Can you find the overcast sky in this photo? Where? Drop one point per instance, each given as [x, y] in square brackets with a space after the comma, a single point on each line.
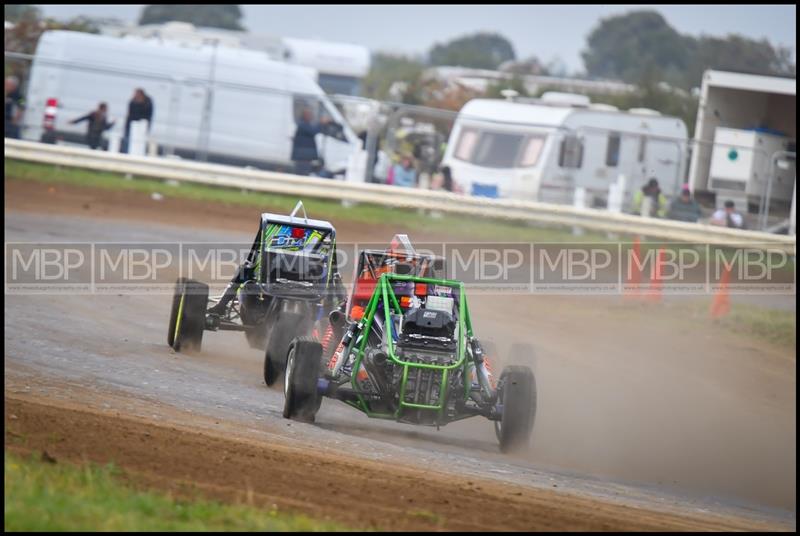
[545, 31]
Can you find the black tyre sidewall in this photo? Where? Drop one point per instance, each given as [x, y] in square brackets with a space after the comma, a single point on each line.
[519, 408]
[180, 285]
[190, 335]
[302, 400]
[271, 373]
[287, 328]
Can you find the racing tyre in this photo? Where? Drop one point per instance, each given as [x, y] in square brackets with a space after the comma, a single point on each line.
[188, 315]
[301, 399]
[517, 394]
[285, 329]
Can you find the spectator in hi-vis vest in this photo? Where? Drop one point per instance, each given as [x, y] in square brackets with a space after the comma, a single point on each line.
[649, 201]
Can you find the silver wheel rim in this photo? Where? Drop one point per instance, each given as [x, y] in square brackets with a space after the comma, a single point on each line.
[289, 367]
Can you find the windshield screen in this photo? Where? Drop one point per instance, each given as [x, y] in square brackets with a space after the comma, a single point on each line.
[292, 238]
[498, 149]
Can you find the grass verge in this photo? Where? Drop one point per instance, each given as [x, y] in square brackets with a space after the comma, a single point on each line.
[778, 327]
[41, 496]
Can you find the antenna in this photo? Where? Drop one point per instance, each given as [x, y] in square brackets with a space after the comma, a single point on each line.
[299, 205]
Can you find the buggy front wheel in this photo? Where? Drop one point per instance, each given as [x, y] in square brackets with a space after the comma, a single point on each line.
[517, 395]
[301, 399]
[188, 315]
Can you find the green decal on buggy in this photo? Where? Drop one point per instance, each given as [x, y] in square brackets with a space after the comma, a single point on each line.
[180, 316]
[266, 234]
[330, 261]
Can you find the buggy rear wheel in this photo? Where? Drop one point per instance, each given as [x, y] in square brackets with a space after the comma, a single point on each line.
[517, 394]
[188, 315]
[301, 399]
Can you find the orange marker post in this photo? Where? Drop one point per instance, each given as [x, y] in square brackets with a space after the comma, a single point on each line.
[721, 305]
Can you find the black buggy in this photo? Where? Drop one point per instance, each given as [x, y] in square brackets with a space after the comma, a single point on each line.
[288, 284]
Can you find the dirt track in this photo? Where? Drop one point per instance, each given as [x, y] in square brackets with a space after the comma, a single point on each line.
[359, 494]
[709, 414]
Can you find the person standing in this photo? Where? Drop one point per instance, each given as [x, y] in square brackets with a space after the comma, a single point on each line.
[15, 106]
[97, 124]
[304, 143]
[684, 208]
[140, 107]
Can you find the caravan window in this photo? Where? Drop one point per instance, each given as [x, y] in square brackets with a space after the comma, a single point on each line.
[533, 148]
[466, 143]
[498, 149]
[612, 150]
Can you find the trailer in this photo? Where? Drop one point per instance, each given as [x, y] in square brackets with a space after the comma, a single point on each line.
[544, 149]
[745, 139]
[214, 103]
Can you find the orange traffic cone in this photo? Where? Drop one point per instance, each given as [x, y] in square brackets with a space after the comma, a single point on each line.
[634, 278]
[721, 305]
[654, 294]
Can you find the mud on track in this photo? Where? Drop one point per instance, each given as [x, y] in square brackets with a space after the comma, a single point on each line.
[359, 494]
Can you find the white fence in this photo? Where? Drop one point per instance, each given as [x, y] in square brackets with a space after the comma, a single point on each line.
[391, 196]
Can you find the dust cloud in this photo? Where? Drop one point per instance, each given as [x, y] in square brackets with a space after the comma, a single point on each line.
[629, 393]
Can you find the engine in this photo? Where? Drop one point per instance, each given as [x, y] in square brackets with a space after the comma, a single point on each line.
[425, 334]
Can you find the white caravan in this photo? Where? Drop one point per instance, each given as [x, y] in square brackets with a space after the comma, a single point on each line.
[226, 105]
[544, 150]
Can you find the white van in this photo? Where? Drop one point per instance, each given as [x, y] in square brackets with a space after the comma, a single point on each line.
[228, 105]
[543, 150]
